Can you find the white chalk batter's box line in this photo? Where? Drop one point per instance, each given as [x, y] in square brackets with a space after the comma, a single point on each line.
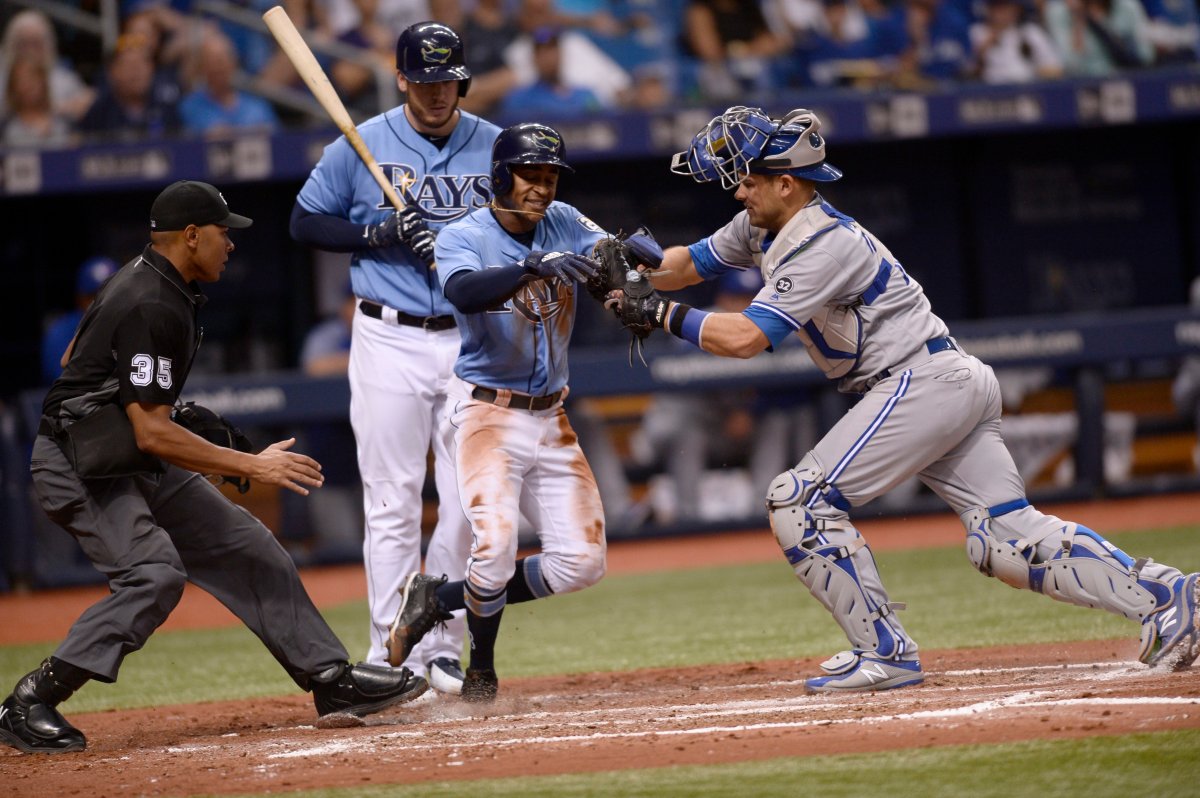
[606, 722]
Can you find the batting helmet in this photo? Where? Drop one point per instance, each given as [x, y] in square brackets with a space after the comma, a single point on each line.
[526, 143]
[430, 52]
[796, 148]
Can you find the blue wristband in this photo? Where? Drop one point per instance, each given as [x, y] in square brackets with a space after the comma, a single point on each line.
[685, 322]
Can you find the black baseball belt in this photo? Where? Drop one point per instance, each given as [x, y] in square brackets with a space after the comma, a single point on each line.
[433, 323]
[519, 401]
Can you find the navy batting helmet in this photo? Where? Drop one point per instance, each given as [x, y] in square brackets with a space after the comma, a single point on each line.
[430, 52]
[526, 143]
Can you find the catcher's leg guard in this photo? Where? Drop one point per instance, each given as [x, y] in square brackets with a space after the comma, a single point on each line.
[834, 562]
[1063, 560]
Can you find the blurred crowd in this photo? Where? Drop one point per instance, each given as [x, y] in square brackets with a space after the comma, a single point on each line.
[187, 67]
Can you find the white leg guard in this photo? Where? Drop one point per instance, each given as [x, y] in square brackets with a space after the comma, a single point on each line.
[831, 558]
[1065, 561]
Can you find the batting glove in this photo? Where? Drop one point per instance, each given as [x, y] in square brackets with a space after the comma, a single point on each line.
[563, 265]
[386, 233]
[422, 245]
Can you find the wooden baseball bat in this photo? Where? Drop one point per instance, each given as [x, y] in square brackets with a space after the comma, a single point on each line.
[297, 51]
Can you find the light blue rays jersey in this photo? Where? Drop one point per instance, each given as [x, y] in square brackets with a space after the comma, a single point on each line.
[522, 345]
[446, 184]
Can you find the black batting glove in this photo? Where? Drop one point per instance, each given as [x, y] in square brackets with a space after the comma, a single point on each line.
[563, 265]
[386, 233]
[422, 245]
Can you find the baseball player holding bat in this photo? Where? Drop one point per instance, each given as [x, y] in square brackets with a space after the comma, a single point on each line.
[927, 409]
[404, 338]
[512, 274]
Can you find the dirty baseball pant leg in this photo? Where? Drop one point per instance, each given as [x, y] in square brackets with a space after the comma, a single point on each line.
[230, 554]
[112, 522]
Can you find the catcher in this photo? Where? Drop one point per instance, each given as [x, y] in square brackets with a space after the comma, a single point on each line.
[512, 273]
[927, 409]
[111, 468]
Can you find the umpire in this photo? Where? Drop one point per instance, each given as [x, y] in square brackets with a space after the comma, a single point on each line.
[112, 468]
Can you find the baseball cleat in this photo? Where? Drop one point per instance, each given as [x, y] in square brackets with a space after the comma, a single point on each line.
[419, 612]
[480, 686]
[34, 727]
[446, 675]
[1171, 636]
[854, 671]
[354, 691]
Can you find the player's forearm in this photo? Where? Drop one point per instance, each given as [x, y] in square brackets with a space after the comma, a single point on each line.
[723, 334]
[330, 233]
[477, 291]
[677, 270]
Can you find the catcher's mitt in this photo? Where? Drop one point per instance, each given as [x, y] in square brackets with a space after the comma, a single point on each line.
[215, 429]
[618, 256]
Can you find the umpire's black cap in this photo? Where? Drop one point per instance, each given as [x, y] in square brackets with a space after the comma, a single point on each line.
[192, 202]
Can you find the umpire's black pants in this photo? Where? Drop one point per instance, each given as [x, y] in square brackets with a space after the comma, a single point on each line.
[148, 534]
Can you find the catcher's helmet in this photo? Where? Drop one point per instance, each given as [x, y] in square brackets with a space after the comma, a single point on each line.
[796, 148]
[430, 52]
[526, 143]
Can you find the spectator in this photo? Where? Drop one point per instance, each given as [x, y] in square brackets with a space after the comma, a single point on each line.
[29, 34]
[126, 108]
[216, 107]
[31, 121]
[1098, 37]
[857, 44]
[734, 45]
[584, 64]
[172, 39]
[1173, 28]
[355, 81]
[1009, 47]
[548, 95]
[939, 44]
[91, 275]
[312, 20]
[487, 32]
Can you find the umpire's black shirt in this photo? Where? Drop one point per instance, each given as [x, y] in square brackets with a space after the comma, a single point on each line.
[134, 344]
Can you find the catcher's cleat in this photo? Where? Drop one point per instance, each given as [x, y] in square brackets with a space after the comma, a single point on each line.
[854, 671]
[32, 726]
[446, 675]
[480, 686]
[419, 612]
[345, 693]
[1171, 635]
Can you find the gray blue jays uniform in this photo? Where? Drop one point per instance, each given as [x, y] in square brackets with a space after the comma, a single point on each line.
[402, 353]
[927, 409]
[517, 452]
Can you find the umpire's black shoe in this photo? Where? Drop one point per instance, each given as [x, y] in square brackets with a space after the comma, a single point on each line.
[419, 612]
[480, 686]
[344, 694]
[32, 726]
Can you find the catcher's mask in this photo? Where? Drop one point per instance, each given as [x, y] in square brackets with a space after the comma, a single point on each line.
[430, 52]
[526, 143]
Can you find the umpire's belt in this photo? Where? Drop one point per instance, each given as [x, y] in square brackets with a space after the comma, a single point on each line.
[434, 323]
[932, 346]
[519, 401]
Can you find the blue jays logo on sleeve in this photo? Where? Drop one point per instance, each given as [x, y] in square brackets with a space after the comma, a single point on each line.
[443, 198]
[541, 300]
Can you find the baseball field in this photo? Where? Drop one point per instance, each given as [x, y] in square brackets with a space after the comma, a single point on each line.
[680, 674]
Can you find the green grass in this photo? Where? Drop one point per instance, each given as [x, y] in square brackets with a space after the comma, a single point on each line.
[710, 615]
[1162, 765]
